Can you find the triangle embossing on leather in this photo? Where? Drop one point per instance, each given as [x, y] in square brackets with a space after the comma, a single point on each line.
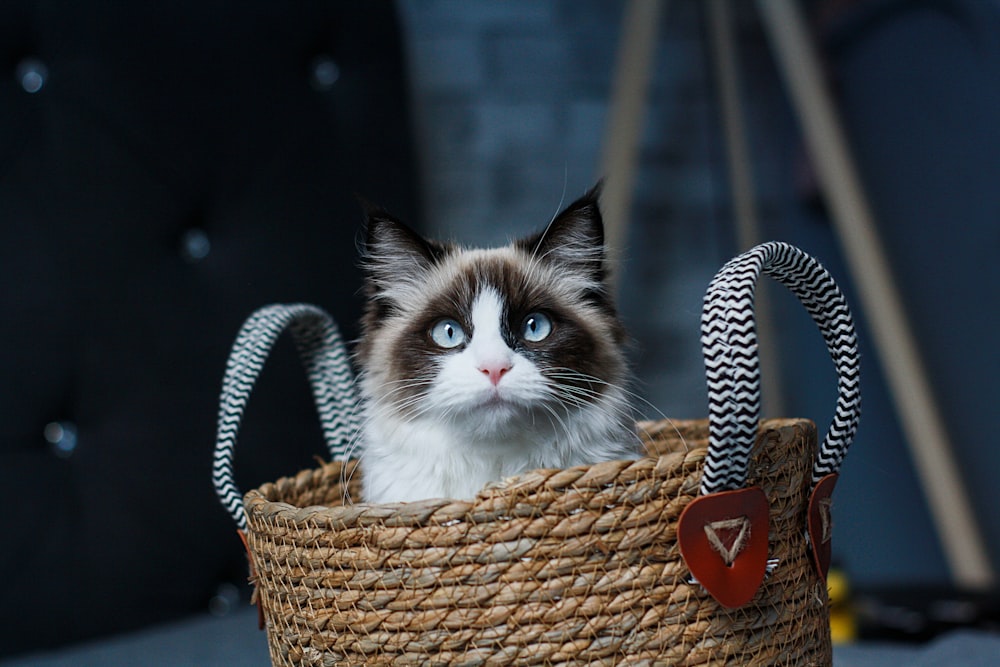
[728, 537]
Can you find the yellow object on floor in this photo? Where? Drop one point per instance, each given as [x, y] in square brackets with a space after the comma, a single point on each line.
[843, 623]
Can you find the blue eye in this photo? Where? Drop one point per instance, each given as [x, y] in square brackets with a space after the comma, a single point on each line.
[536, 327]
[448, 333]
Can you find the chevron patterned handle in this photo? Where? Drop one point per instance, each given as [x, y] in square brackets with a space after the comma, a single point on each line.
[327, 365]
[729, 344]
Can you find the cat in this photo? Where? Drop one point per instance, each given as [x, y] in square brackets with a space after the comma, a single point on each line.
[478, 364]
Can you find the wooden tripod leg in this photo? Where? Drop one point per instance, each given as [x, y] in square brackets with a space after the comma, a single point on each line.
[897, 350]
[626, 114]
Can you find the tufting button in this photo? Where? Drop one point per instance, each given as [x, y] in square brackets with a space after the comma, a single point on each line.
[32, 74]
[324, 72]
[195, 245]
[225, 600]
[61, 436]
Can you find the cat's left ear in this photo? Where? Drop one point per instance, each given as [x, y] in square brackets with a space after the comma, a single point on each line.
[575, 238]
[394, 253]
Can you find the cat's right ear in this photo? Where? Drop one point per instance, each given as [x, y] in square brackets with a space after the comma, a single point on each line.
[394, 254]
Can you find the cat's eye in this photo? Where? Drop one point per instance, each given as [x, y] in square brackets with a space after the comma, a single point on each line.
[536, 327]
[448, 333]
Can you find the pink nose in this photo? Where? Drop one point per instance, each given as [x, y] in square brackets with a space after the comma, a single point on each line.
[495, 371]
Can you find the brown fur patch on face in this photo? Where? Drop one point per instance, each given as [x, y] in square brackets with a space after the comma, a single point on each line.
[583, 350]
[413, 283]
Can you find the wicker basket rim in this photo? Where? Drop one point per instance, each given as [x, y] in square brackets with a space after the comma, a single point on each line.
[490, 503]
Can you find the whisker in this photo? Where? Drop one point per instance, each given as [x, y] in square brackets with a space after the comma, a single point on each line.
[577, 393]
[570, 374]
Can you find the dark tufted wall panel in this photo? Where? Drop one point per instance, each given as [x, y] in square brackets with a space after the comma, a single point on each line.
[165, 168]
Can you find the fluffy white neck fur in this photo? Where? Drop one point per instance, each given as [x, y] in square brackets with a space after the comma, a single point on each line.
[412, 460]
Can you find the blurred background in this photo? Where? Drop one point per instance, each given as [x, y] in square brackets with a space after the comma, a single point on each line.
[168, 169]
[512, 109]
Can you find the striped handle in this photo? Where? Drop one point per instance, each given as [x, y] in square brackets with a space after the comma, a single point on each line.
[729, 343]
[326, 363]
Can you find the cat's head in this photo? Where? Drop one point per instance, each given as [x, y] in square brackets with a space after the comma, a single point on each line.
[490, 338]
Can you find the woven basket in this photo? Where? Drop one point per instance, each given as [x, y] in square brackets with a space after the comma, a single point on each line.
[588, 565]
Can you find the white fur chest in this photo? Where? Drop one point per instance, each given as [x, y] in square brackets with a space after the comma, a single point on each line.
[406, 461]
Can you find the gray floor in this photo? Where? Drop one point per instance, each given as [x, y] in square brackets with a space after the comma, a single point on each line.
[234, 640]
[204, 641]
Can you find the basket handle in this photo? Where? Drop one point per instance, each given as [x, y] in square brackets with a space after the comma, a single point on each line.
[327, 365]
[729, 344]
[723, 533]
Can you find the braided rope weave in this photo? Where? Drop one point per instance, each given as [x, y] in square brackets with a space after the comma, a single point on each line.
[579, 566]
[327, 366]
[729, 343]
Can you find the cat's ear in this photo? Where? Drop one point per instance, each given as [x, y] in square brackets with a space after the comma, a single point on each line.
[575, 238]
[393, 253]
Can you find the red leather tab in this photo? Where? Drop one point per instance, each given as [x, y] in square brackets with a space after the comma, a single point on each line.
[723, 539]
[821, 523]
[255, 599]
